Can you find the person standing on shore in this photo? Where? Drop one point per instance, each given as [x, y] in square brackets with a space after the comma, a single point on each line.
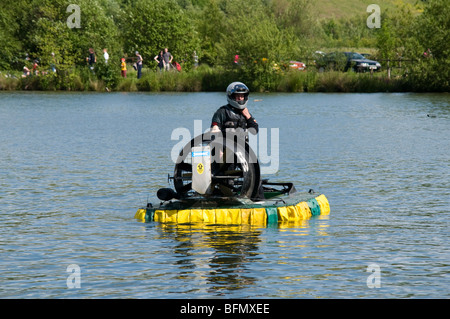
[160, 59]
[236, 59]
[123, 68]
[139, 65]
[106, 55]
[167, 59]
[195, 56]
[91, 59]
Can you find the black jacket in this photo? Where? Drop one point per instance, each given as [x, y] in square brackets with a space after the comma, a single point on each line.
[229, 117]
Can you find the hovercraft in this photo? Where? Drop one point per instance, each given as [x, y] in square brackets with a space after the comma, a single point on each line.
[217, 180]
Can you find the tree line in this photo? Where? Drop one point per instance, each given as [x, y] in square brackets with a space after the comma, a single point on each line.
[261, 32]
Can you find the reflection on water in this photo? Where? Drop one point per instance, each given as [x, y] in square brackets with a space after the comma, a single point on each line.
[223, 257]
[217, 254]
[303, 226]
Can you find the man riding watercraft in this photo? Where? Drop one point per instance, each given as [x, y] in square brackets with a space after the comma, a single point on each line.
[235, 118]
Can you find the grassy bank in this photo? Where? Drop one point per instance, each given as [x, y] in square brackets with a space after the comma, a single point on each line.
[206, 79]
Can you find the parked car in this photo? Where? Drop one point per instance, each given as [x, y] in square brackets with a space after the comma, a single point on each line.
[367, 55]
[296, 65]
[359, 63]
[344, 61]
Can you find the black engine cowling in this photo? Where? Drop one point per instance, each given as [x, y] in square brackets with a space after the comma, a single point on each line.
[235, 170]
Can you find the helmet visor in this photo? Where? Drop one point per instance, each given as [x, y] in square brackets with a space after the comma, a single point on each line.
[239, 89]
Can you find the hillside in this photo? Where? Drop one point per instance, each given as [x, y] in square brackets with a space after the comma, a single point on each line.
[349, 8]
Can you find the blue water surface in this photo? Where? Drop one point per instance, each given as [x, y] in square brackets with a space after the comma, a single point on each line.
[75, 167]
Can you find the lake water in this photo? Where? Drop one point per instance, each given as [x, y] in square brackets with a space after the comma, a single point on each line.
[75, 167]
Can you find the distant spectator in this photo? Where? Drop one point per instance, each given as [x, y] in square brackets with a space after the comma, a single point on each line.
[195, 56]
[53, 63]
[167, 59]
[106, 55]
[176, 66]
[26, 72]
[123, 68]
[427, 54]
[36, 67]
[236, 59]
[91, 59]
[160, 59]
[139, 65]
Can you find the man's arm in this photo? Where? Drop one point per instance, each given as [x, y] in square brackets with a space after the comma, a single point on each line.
[251, 122]
[217, 120]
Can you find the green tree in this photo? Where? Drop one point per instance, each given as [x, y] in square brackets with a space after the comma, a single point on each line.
[253, 34]
[10, 44]
[298, 23]
[210, 25]
[432, 28]
[387, 41]
[48, 37]
[431, 34]
[154, 25]
[296, 16]
[331, 29]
